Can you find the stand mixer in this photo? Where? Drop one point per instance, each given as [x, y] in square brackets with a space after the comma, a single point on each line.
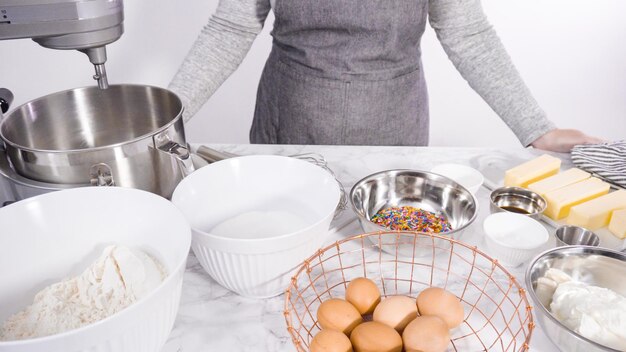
[84, 25]
[125, 135]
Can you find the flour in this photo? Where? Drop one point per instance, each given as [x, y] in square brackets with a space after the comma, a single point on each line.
[118, 278]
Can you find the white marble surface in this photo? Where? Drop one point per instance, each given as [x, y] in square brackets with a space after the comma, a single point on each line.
[212, 318]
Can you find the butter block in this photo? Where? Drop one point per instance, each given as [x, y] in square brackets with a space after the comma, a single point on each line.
[617, 225]
[532, 171]
[560, 201]
[557, 181]
[596, 213]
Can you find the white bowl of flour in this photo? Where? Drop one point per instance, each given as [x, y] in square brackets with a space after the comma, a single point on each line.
[107, 263]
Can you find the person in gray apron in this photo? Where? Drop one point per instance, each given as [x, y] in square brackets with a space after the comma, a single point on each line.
[350, 71]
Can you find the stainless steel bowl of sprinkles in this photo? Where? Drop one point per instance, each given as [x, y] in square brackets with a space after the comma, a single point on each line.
[416, 201]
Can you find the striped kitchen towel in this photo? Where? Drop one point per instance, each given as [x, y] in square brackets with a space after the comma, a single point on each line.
[606, 160]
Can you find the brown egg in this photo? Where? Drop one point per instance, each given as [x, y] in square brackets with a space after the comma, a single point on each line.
[439, 302]
[375, 337]
[396, 311]
[330, 341]
[426, 334]
[363, 294]
[337, 314]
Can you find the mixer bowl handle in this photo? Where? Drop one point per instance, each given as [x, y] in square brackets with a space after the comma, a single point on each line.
[182, 156]
[175, 150]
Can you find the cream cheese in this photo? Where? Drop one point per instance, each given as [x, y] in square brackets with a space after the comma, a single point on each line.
[596, 313]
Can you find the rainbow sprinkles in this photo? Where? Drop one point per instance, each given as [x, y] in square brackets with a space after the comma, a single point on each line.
[408, 218]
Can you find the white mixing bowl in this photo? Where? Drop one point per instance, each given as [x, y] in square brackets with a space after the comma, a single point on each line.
[51, 237]
[252, 264]
[513, 238]
[466, 176]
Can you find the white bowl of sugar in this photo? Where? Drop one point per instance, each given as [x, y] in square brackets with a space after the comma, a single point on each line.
[255, 218]
[514, 239]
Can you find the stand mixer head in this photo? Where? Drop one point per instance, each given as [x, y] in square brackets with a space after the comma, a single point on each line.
[84, 25]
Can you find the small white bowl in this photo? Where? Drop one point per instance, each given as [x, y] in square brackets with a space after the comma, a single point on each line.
[252, 264]
[466, 176]
[51, 237]
[514, 238]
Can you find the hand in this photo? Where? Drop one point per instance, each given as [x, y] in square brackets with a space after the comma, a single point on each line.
[563, 141]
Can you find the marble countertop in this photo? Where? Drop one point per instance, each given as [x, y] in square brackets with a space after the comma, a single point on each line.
[211, 318]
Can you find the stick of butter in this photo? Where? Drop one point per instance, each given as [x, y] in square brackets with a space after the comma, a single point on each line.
[617, 226]
[557, 181]
[532, 171]
[596, 213]
[560, 201]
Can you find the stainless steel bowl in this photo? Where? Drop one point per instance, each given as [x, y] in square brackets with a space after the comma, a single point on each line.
[575, 236]
[125, 135]
[518, 200]
[595, 266]
[425, 190]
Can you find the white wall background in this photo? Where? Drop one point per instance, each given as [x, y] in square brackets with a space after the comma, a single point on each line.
[572, 54]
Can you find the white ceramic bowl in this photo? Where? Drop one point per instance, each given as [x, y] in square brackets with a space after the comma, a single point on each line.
[466, 176]
[58, 235]
[514, 238]
[248, 263]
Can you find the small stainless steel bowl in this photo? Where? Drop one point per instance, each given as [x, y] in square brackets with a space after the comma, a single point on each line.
[420, 189]
[575, 236]
[518, 200]
[595, 266]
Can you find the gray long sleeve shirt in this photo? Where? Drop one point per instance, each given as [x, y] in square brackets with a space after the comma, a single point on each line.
[461, 26]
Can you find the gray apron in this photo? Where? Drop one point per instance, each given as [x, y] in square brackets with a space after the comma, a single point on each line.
[344, 72]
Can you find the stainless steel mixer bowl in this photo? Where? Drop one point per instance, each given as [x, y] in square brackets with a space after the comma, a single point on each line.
[126, 135]
[425, 190]
[592, 265]
[14, 187]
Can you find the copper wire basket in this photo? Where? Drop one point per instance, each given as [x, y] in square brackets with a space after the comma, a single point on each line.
[498, 315]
